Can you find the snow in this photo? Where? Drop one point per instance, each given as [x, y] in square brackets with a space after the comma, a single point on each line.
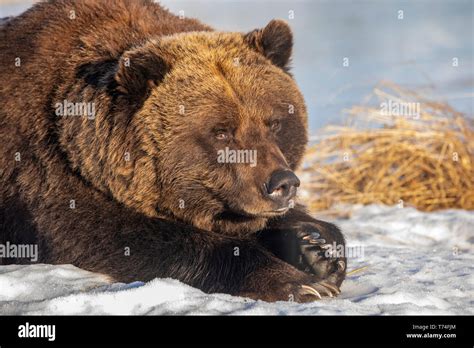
[415, 263]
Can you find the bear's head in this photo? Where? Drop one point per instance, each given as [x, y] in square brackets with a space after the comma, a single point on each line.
[222, 126]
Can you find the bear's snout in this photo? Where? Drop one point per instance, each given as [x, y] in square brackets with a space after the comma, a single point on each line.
[282, 187]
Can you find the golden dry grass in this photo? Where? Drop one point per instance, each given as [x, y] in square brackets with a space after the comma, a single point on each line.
[425, 161]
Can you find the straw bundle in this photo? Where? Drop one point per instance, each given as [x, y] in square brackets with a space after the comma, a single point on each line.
[424, 159]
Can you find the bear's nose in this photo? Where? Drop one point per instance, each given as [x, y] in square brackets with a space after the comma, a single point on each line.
[282, 186]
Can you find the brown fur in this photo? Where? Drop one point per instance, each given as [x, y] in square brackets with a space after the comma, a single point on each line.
[130, 169]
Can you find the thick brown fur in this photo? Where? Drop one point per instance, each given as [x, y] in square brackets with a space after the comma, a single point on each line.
[142, 175]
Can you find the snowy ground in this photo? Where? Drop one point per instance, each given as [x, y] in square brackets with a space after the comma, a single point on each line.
[417, 263]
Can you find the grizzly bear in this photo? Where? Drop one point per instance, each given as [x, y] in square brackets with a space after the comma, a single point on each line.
[139, 144]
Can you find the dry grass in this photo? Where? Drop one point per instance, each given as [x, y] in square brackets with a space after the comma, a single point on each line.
[425, 161]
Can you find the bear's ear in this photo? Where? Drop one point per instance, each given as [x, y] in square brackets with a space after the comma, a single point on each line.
[275, 42]
[139, 70]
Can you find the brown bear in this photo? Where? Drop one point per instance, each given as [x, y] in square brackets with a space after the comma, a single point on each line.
[139, 144]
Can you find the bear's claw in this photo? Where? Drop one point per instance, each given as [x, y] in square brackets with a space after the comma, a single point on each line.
[318, 255]
[319, 290]
[308, 290]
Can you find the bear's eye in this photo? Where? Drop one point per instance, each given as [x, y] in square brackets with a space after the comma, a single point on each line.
[222, 134]
[275, 126]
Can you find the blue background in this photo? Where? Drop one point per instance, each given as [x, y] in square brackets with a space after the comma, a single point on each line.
[416, 51]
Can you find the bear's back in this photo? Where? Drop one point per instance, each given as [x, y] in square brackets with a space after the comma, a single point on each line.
[44, 50]
[113, 24]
